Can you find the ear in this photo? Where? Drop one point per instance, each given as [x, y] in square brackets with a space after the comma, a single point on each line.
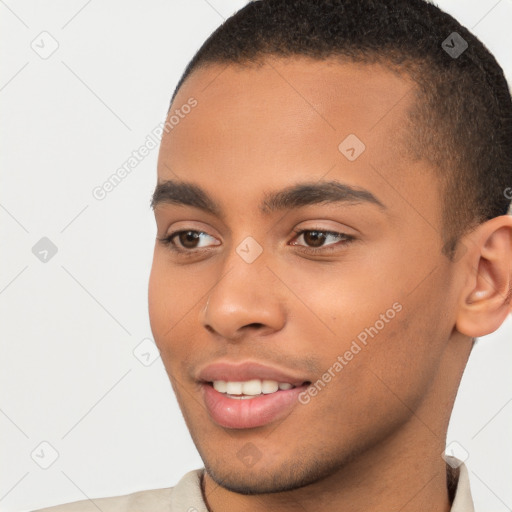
[485, 300]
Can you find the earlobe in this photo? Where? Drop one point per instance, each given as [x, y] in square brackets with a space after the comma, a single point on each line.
[485, 300]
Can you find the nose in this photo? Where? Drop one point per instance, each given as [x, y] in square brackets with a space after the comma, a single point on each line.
[246, 299]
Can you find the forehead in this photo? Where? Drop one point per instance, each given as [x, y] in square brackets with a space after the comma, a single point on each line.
[286, 120]
[292, 101]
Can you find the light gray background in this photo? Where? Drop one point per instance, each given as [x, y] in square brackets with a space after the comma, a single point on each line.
[69, 326]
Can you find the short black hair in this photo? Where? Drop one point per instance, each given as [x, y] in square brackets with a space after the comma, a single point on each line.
[462, 117]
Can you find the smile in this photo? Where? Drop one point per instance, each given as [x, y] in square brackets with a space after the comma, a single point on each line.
[250, 388]
[234, 408]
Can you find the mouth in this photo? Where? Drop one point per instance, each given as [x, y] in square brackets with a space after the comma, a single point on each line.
[253, 388]
[250, 404]
[249, 393]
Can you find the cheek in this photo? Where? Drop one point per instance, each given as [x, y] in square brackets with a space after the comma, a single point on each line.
[402, 359]
[341, 298]
[157, 298]
[163, 304]
[174, 304]
[172, 293]
[370, 388]
[385, 337]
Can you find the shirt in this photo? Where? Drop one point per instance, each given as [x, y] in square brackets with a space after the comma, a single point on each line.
[186, 496]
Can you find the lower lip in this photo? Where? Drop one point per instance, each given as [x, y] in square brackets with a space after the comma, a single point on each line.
[249, 412]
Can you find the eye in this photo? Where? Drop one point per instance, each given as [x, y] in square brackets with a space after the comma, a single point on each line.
[315, 239]
[190, 241]
[187, 240]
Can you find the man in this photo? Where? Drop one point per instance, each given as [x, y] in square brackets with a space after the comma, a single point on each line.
[333, 235]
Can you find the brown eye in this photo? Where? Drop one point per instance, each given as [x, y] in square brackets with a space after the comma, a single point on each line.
[188, 239]
[314, 238]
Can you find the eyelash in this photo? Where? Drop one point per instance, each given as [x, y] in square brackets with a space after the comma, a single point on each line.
[346, 239]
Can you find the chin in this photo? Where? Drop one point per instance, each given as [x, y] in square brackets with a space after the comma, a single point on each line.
[282, 477]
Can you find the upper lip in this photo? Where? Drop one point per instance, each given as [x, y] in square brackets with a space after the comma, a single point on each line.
[247, 370]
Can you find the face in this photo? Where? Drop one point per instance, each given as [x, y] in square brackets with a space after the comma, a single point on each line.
[315, 245]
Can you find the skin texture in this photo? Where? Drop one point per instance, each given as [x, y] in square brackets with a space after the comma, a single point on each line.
[372, 439]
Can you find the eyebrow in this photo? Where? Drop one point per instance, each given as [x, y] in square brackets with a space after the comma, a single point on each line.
[296, 196]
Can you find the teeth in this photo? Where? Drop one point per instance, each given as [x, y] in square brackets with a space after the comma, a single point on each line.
[250, 387]
[220, 386]
[234, 388]
[269, 386]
